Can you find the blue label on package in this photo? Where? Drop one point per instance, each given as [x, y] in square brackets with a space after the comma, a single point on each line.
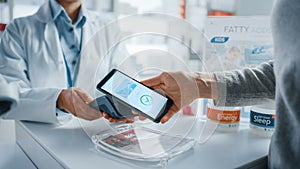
[219, 39]
[258, 54]
[262, 120]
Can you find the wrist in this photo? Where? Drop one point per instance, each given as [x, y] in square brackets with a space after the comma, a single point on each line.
[62, 100]
[207, 85]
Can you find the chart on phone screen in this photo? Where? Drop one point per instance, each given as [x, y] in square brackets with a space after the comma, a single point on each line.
[134, 93]
[125, 88]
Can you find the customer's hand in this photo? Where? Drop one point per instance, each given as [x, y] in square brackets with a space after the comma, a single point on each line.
[182, 88]
[75, 101]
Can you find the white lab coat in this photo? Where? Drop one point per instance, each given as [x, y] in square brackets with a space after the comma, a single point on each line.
[8, 93]
[31, 57]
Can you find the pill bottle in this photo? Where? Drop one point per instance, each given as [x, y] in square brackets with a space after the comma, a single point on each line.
[228, 118]
[262, 119]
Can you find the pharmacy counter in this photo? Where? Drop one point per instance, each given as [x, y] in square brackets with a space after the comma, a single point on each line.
[11, 155]
[68, 146]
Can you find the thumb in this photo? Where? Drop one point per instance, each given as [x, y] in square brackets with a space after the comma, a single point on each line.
[152, 81]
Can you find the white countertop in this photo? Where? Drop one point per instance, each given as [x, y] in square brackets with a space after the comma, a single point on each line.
[69, 147]
[11, 155]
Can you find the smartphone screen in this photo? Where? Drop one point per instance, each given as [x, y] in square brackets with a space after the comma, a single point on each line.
[130, 91]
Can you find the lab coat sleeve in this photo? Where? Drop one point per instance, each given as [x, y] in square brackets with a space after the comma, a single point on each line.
[36, 104]
[9, 96]
[249, 86]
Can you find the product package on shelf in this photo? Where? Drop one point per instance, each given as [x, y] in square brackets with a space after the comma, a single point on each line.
[237, 42]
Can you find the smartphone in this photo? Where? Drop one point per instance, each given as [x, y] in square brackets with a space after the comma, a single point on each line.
[127, 92]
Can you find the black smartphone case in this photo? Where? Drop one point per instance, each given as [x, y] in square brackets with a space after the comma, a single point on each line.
[113, 108]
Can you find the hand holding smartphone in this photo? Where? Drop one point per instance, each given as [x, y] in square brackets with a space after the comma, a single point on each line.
[126, 94]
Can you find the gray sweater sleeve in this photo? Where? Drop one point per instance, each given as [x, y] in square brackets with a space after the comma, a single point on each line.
[246, 87]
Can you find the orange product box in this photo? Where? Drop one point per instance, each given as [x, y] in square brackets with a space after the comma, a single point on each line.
[223, 116]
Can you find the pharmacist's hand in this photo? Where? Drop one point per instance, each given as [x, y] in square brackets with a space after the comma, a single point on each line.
[75, 101]
[182, 88]
[112, 120]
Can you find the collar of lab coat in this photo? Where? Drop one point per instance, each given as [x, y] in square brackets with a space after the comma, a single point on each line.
[44, 15]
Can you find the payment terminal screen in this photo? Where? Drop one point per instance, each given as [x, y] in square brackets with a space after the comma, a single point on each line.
[135, 94]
